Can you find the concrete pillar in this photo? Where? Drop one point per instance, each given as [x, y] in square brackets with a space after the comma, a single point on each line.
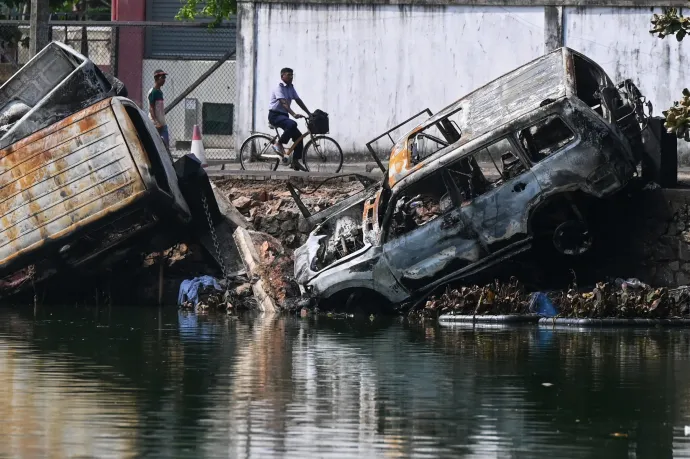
[130, 58]
[553, 28]
[39, 32]
[246, 71]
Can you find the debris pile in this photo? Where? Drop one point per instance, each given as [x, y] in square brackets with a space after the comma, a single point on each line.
[617, 299]
[277, 266]
[270, 208]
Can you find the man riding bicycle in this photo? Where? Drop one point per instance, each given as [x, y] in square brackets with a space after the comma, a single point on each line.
[278, 115]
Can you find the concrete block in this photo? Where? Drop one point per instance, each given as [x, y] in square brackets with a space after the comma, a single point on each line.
[665, 277]
[252, 263]
[683, 250]
[682, 279]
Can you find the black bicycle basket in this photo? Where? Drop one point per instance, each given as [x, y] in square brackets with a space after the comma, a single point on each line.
[318, 122]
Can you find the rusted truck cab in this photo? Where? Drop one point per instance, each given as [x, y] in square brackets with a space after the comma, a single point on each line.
[89, 188]
[512, 165]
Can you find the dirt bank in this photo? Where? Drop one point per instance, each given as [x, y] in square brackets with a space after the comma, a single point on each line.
[269, 207]
[280, 227]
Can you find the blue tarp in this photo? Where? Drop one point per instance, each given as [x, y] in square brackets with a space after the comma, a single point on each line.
[189, 289]
[542, 305]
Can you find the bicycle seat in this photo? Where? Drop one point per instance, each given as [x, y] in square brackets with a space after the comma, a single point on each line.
[270, 126]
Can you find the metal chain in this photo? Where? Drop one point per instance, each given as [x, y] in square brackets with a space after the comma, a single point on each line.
[32, 277]
[212, 229]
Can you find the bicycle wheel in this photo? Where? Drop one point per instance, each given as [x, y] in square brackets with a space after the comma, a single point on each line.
[252, 151]
[323, 154]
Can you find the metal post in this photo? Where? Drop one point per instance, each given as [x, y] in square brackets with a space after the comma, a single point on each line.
[114, 49]
[198, 81]
[39, 34]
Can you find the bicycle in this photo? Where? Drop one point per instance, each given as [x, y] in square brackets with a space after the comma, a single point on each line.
[257, 151]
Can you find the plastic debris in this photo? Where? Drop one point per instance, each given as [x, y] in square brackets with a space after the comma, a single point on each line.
[189, 289]
[542, 305]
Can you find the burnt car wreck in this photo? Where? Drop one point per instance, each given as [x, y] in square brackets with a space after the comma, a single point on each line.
[85, 179]
[512, 166]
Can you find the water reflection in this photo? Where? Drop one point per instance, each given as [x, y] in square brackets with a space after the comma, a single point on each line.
[158, 382]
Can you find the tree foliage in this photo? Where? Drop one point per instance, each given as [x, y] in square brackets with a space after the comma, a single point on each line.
[672, 22]
[214, 9]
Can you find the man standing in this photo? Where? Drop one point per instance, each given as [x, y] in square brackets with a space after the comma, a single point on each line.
[157, 107]
[278, 111]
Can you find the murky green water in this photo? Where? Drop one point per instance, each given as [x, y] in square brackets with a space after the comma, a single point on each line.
[78, 382]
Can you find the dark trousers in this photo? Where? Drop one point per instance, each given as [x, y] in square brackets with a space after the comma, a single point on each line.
[289, 128]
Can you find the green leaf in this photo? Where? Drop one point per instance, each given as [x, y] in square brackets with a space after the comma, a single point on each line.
[681, 34]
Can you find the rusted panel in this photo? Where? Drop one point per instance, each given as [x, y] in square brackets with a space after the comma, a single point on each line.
[54, 84]
[62, 178]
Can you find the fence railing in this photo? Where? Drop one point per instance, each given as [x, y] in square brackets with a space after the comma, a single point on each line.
[132, 51]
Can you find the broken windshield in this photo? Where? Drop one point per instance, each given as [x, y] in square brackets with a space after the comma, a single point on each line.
[435, 137]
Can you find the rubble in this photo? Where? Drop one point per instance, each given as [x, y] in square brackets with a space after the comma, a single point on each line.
[269, 208]
[278, 228]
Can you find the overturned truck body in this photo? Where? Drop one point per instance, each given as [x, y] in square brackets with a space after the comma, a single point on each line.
[511, 166]
[84, 176]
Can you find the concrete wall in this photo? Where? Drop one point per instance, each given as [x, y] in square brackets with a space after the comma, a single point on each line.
[371, 66]
[219, 87]
[619, 40]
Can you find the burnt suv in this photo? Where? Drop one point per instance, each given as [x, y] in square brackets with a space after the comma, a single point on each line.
[510, 165]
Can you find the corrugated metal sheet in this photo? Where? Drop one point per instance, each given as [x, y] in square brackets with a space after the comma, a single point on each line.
[184, 42]
[62, 178]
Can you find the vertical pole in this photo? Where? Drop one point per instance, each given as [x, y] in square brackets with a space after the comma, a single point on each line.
[161, 267]
[245, 65]
[38, 29]
[114, 49]
[553, 28]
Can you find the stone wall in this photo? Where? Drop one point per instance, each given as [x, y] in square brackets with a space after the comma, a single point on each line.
[647, 236]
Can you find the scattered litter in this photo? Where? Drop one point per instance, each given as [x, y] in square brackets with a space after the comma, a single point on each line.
[651, 186]
[189, 289]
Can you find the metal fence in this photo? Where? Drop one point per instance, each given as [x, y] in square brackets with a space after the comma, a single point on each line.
[201, 86]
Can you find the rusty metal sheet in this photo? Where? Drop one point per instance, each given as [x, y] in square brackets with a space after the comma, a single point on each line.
[54, 84]
[506, 98]
[62, 178]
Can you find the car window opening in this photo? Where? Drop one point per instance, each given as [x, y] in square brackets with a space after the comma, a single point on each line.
[420, 204]
[545, 138]
[588, 82]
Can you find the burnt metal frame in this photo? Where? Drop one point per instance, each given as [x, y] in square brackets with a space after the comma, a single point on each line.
[388, 133]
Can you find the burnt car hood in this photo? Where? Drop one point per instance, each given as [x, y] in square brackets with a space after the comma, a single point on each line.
[305, 255]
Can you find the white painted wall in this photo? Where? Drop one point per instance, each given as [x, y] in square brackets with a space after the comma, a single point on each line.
[370, 67]
[618, 39]
[219, 87]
